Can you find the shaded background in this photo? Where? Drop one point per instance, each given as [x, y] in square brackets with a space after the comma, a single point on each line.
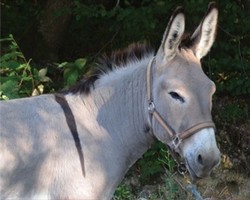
[57, 30]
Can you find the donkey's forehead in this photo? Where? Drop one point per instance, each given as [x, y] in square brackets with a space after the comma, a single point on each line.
[186, 63]
[187, 55]
[186, 68]
[183, 58]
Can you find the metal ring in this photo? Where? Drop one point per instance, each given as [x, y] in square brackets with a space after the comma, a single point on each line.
[182, 168]
[151, 107]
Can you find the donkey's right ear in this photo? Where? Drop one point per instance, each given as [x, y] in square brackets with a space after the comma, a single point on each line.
[172, 36]
[204, 36]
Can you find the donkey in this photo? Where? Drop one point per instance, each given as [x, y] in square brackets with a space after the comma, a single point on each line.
[80, 143]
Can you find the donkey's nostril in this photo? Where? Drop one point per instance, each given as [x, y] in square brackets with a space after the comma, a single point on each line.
[200, 160]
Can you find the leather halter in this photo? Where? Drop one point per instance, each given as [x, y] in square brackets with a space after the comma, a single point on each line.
[176, 138]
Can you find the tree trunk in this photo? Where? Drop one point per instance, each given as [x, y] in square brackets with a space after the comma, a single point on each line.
[54, 21]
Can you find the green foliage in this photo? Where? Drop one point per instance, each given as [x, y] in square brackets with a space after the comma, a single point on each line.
[21, 79]
[122, 193]
[158, 161]
[155, 161]
[18, 77]
[172, 189]
[99, 26]
[233, 113]
[156, 164]
[230, 62]
[73, 70]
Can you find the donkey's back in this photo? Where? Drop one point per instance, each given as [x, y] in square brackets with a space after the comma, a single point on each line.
[35, 150]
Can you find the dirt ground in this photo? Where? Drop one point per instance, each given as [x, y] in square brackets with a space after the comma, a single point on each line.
[232, 178]
[225, 184]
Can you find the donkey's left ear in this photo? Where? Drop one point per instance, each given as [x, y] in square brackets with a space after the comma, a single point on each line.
[204, 36]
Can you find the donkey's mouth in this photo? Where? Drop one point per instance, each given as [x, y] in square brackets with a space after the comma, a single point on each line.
[192, 173]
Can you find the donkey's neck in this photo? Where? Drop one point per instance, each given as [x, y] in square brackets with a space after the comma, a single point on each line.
[122, 108]
[118, 105]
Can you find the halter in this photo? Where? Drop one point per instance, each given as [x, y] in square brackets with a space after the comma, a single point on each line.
[176, 138]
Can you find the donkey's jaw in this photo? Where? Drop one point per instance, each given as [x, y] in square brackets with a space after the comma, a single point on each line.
[201, 153]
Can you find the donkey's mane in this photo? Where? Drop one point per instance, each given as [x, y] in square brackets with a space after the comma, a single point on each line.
[106, 63]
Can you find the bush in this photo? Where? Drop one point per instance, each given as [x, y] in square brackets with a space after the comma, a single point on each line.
[18, 77]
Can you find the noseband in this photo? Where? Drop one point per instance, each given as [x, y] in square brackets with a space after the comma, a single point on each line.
[176, 138]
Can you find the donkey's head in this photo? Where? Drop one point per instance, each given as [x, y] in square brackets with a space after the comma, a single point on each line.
[182, 94]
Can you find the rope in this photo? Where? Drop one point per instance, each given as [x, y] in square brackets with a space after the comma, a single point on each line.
[193, 190]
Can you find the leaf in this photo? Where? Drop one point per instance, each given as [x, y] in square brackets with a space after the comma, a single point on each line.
[22, 66]
[70, 76]
[226, 162]
[42, 75]
[5, 39]
[63, 64]
[42, 72]
[10, 88]
[9, 56]
[10, 64]
[3, 96]
[26, 78]
[37, 91]
[80, 63]
[45, 79]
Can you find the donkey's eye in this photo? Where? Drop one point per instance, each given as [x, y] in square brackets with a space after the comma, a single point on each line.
[176, 96]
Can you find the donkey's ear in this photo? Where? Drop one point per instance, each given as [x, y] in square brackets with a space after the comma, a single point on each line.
[172, 36]
[204, 36]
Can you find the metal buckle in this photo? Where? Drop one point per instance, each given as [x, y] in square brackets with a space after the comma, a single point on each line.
[182, 168]
[176, 141]
[151, 107]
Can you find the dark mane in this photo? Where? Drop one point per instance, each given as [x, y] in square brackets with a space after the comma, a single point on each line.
[107, 63]
[186, 41]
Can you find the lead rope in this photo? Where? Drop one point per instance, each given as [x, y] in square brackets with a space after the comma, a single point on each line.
[189, 187]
